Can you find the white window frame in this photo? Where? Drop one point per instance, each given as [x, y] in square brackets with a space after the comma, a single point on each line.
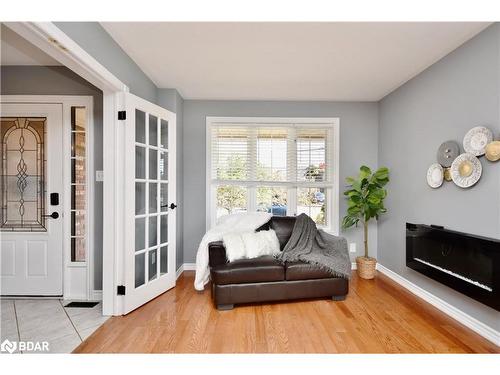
[332, 201]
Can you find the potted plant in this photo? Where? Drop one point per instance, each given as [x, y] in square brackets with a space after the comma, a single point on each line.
[365, 201]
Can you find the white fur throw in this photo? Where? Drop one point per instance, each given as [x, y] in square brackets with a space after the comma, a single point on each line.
[230, 223]
[248, 245]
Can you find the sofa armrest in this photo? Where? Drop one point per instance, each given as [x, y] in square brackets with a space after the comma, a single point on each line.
[216, 254]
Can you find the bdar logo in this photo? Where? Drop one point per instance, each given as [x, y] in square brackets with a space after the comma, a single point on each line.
[8, 346]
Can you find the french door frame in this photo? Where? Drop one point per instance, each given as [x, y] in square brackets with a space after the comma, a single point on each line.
[50, 39]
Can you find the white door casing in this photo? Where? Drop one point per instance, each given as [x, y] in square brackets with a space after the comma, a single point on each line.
[32, 260]
[150, 218]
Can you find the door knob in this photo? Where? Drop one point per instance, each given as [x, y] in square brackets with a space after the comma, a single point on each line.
[172, 206]
[53, 215]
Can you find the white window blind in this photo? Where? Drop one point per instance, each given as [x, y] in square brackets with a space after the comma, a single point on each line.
[285, 168]
[256, 153]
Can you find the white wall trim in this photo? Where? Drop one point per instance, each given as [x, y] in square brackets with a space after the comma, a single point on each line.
[96, 295]
[480, 328]
[185, 267]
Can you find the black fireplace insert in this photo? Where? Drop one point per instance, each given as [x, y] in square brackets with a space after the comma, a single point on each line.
[467, 263]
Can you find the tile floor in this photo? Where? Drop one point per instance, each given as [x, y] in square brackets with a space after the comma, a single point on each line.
[64, 328]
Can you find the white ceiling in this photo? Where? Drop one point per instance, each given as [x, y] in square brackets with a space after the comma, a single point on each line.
[287, 61]
[15, 50]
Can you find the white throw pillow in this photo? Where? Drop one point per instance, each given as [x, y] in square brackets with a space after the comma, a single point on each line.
[235, 248]
[251, 244]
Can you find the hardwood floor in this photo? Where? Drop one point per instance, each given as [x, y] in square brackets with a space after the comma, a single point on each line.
[378, 316]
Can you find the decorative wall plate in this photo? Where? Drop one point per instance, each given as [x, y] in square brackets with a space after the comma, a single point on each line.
[493, 151]
[476, 139]
[435, 175]
[466, 170]
[447, 152]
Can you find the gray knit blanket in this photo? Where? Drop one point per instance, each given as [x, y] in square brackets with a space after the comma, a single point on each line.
[310, 245]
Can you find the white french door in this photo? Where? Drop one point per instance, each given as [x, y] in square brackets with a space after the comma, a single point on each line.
[31, 226]
[150, 215]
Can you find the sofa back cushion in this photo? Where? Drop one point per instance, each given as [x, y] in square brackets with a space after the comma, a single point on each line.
[283, 226]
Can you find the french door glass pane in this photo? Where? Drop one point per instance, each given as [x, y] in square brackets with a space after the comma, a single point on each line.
[163, 133]
[140, 126]
[140, 198]
[163, 260]
[153, 197]
[152, 265]
[153, 231]
[140, 233]
[164, 197]
[140, 269]
[312, 202]
[163, 165]
[140, 162]
[153, 130]
[164, 228]
[153, 164]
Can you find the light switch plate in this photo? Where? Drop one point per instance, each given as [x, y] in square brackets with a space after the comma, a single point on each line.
[99, 175]
[352, 247]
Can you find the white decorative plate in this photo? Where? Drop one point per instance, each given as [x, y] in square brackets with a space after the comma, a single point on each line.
[435, 175]
[476, 139]
[466, 170]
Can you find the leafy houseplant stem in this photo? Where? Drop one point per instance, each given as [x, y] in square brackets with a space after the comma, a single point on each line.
[365, 227]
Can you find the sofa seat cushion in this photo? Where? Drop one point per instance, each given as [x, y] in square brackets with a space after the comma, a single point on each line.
[256, 270]
[304, 271]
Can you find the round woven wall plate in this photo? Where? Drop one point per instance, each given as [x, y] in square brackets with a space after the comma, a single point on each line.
[476, 139]
[435, 175]
[466, 170]
[447, 152]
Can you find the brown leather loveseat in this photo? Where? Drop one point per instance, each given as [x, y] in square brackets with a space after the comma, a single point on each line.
[265, 279]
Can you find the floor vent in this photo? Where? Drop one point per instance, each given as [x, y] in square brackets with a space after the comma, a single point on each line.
[82, 304]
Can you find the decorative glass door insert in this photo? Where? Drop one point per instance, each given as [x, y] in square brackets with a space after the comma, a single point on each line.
[23, 174]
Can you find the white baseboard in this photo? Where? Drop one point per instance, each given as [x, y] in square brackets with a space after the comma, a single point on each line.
[480, 328]
[96, 295]
[185, 267]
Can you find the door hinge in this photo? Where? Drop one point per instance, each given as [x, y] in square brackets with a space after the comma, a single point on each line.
[122, 115]
[120, 290]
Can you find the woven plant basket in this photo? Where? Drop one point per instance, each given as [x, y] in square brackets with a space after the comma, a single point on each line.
[366, 267]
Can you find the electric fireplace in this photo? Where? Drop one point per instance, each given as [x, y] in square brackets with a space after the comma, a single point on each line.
[467, 263]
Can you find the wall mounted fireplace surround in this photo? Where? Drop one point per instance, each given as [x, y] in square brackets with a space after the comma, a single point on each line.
[467, 263]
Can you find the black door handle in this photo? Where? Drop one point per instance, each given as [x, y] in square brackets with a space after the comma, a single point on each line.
[53, 215]
[172, 206]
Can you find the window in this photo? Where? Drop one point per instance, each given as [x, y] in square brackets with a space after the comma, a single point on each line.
[276, 165]
[78, 183]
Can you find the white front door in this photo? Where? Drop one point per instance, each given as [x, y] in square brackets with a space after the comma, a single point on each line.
[150, 215]
[31, 147]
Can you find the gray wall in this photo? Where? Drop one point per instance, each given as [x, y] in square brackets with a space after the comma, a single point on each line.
[92, 37]
[171, 100]
[59, 80]
[358, 145]
[453, 95]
